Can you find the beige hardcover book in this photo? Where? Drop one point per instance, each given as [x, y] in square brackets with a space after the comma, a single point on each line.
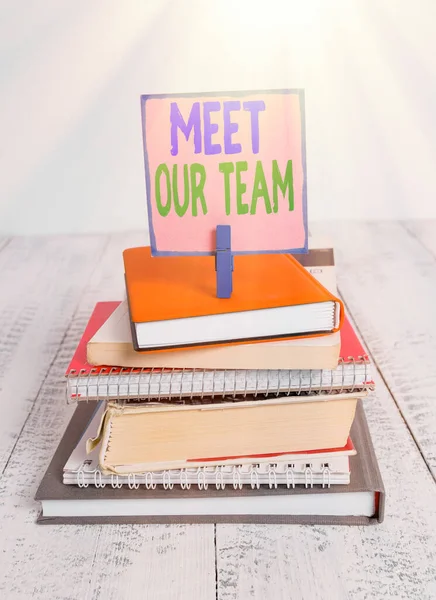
[327, 467]
[112, 345]
[146, 437]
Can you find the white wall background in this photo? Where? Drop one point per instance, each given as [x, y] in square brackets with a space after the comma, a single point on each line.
[71, 74]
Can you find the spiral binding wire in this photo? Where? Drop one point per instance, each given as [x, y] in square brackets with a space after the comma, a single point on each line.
[205, 476]
[133, 384]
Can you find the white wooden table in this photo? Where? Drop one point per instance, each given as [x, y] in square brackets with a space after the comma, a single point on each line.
[48, 287]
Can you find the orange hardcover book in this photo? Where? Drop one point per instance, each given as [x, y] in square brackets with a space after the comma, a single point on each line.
[173, 302]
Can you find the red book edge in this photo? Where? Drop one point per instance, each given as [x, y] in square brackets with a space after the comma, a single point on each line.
[351, 348]
[347, 449]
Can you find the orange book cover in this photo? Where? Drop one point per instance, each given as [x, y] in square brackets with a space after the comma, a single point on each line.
[177, 287]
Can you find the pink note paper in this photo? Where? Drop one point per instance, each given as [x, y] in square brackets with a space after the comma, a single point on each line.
[235, 158]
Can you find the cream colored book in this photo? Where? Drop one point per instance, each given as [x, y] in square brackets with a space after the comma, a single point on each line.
[326, 468]
[147, 437]
[86, 382]
[112, 345]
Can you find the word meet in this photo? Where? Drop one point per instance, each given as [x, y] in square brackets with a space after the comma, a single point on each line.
[179, 187]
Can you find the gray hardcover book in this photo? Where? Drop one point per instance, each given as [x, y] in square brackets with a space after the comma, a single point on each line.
[359, 503]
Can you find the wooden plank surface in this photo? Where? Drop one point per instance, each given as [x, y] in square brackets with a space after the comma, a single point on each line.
[387, 277]
[42, 280]
[424, 232]
[393, 560]
[47, 303]
[397, 558]
[4, 241]
[116, 562]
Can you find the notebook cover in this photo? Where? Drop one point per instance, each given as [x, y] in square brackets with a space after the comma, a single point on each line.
[351, 348]
[365, 476]
[261, 281]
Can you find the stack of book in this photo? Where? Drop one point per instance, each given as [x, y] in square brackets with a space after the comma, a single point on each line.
[198, 409]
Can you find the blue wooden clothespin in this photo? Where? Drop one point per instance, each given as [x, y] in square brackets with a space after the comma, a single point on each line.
[223, 262]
